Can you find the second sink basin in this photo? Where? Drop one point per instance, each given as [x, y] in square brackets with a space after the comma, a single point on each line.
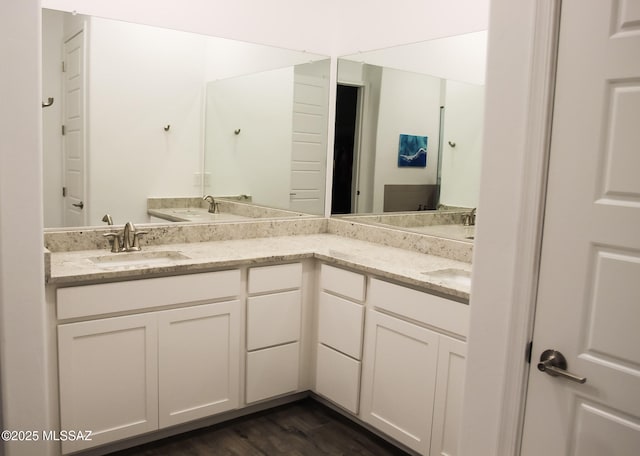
[138, 259]
[453, 277]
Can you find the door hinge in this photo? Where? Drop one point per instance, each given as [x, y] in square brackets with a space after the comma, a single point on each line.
[64, 68]
[64, 191]
[528, 351]
[63, 130]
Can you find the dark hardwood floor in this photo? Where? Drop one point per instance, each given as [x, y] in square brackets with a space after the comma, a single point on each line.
[304, 428]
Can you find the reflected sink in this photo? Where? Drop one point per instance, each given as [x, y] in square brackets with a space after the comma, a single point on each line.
[138, 259]
[193, 214]
[189, 211]
[458, 278]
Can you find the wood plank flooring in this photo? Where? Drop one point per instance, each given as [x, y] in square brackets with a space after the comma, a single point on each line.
[304, 428]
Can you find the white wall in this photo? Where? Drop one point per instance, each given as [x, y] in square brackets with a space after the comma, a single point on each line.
[460, 58]
[53, 26]
[331, 27]
[257, 161]
[409, 104]
[463, 122]
[141, 79]
[23, 332]
[502, 231]
[228, 58]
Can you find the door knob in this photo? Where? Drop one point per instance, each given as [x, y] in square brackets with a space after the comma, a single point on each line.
[554, 363]
[80, 204]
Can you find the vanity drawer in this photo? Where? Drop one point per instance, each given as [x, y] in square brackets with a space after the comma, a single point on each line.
[338, 378]
[105, 298]
[273, 319]
[272, 372]
[340, 324]
[342, 282]
[275, 278]
[445, 314]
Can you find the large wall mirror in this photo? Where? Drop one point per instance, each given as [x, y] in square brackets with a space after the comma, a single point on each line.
[143, 112]
[409, 125]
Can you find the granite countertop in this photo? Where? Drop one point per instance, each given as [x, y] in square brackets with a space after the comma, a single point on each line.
[399, 265]
[193, 214]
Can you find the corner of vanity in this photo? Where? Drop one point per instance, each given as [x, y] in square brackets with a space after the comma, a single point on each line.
[252, 316]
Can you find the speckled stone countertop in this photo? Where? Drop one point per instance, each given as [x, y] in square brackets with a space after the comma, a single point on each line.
[399, 265]
[192, 214]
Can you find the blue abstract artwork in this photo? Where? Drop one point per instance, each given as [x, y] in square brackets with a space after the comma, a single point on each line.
[412, 151]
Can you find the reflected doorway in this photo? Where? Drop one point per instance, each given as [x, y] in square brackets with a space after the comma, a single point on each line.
[345, 153]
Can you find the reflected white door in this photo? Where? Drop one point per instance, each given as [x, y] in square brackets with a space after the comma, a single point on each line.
[589, 291]
[309, 146]
[73, 133]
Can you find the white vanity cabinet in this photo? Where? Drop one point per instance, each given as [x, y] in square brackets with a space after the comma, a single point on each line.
[108, 373]
[141, 355]
[126, 375]
[274, 307]
[340, 332]
[413, 369]
[198, 361]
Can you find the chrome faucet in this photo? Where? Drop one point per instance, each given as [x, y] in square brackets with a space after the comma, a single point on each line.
[470, 218]
[127, 241]
[213, 206]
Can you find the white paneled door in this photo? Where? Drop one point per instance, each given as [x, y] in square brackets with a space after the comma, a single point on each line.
[309, 144]
[73, 132]
[589, 291]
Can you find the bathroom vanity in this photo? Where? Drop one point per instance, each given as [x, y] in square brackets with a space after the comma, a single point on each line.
[179, 336]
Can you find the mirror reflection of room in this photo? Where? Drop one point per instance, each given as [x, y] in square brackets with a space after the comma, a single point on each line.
[430, 94]
[132, 100]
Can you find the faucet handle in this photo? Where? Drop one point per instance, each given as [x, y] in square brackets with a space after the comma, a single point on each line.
[136, 239]
[114, 241]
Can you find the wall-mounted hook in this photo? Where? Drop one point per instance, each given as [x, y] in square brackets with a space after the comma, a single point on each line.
[451, 143]
[167, 127]
[48, 103]
[236, 131]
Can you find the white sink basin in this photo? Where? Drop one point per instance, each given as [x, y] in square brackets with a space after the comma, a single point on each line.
[191, 214]
[138, 259]
[448, 231]
[458, 278]
[190, 211]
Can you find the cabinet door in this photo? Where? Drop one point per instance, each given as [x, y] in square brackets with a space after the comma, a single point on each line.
[449, 391]
[273, 319]
[272, 372]
[399, 378]
[342, 282]
[199, 361]
[340, 324]
[338, 378]
[108, 378]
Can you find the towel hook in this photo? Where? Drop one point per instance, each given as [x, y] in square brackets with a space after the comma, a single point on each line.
[236, 131]
[167, 127]
[451, 143]
[48, 103]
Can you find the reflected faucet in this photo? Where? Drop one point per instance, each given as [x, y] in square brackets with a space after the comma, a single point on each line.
[470, 218]
[107, 218]
[213, 206]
